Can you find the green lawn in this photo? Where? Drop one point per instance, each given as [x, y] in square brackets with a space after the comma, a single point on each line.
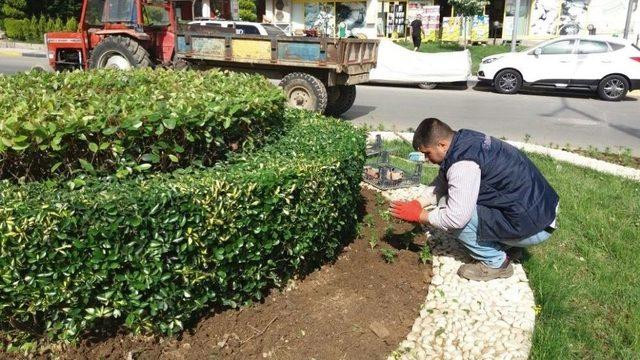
[586, 277]
[477, 51]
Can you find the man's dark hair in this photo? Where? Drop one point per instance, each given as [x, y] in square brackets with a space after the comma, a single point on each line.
[430, 131]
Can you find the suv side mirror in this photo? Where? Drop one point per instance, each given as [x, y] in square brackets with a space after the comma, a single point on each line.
[537, 51]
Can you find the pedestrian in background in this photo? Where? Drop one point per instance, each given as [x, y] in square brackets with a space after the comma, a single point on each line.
[416, 32]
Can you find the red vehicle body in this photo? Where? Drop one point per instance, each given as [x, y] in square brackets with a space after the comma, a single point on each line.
[118, 27]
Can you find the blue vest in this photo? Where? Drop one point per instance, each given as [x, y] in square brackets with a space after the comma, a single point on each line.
[515, 200]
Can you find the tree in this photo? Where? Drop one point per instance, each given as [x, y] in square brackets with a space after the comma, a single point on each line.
[14, 9]
[467, 8]
[248, 10]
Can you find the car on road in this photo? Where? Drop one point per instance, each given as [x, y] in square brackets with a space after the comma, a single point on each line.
[242, 27]
[398, 65]
[609, 66]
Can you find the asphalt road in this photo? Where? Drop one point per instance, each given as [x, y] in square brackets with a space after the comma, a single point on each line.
[9, 65]
[577, 119]
[560, 118]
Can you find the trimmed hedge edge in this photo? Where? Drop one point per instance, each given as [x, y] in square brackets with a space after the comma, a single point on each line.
[152, 253]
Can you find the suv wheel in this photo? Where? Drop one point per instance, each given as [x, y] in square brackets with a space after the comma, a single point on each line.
[613, 88]
[508, 82]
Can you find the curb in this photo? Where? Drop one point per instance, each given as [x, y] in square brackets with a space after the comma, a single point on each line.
[22, 53]
[560, 155]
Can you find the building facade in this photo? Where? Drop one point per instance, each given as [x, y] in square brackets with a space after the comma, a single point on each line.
[537, 19]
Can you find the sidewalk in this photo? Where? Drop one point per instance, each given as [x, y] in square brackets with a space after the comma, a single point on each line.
[17, 49]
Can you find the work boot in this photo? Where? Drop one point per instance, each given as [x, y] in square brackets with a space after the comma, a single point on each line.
[480, 272]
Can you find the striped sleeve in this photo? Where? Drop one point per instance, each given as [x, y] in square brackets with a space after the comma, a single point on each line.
[463, 185]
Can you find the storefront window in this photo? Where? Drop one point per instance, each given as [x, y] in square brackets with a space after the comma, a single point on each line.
[321, 17]
[350, 17]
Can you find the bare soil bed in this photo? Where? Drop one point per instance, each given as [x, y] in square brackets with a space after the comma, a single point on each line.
[359, 307]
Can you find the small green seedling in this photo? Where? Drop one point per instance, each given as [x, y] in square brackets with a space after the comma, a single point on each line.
[368, 220]
[388, 255]
[379, 199]
[388, 232]
[359, 229]
[385, 215]
[373, 241]
[425, 254]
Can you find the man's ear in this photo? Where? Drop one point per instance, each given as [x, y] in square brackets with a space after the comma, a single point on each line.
[444, 144]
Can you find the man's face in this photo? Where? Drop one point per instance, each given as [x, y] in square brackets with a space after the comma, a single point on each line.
[435, 153]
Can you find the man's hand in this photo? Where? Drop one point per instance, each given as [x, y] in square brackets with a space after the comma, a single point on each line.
[407, 210]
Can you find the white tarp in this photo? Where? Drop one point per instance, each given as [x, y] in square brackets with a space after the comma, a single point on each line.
[397, 64]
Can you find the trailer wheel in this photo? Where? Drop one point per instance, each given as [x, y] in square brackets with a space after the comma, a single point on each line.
[304, 91]
[119, 52]
[341, 98]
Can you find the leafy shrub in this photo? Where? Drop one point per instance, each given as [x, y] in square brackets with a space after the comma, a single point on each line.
[248, 10]
[152, 253]
[108, 121]
[33, 29]
[16, 29]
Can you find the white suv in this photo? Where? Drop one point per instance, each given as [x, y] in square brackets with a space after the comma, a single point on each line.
[242, 27]
[608, 65]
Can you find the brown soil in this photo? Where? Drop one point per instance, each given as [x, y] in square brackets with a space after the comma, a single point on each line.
[330, 314]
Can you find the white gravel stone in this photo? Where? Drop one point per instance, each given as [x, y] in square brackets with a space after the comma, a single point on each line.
[464, 319]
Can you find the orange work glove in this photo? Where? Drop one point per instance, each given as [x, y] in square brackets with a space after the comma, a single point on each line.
[407, 210]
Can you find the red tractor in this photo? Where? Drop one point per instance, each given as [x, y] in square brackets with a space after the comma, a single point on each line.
[119, 34]
[316, 73]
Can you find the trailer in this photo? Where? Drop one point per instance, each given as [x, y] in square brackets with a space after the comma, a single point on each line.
[316, 73]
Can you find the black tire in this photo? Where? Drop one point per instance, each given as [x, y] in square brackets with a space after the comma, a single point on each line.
[613, 88]
[508, 81]
[341, 99]
[304, 91]
[427, 85]
[120, 48]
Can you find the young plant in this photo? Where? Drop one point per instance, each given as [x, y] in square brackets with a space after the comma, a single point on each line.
[373, 241]
[425, 254]
[359, 230]
[388, 231]
[368, 220]
[385, 215]
[379, 199]
[388, 255]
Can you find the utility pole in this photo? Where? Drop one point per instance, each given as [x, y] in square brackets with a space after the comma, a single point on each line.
[514, 34]
[630, 9]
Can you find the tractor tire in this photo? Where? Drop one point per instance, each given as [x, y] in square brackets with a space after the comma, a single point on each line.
[119, 52]
[341, 98]
[304, 91]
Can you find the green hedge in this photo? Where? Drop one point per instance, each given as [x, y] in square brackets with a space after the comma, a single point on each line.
[152, 253]
[33, 29]
[105, 122]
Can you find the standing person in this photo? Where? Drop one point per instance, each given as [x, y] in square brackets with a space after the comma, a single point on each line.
[416, 32]
[496, 199]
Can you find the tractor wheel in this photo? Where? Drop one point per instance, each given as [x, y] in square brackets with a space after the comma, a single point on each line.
[341, 98]
[304, 91]
[119, 52]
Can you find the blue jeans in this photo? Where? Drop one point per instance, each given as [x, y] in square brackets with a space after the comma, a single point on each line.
[491, 253]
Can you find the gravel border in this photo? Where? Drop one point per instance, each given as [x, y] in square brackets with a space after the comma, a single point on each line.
[463, 319]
